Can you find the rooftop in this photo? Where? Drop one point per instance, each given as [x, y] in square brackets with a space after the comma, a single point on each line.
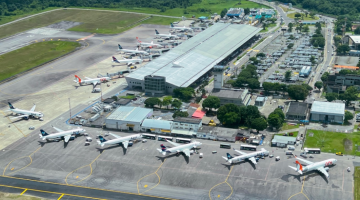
[297, 108]
[131, 114]
[328, 108]
[355, 38]
[154, 123]
[187, 120]
[233, 94]
[187, 62]
[283, 139]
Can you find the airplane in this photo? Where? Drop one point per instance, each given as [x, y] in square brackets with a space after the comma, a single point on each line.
[148, 45]
[167, 36]
[93, 81]
[66, 135]
[25, 114]
[129, 62]
[118, 139]
[321, 166]
[246, 156]
[185, 148]
[180, 28]
[136, 51]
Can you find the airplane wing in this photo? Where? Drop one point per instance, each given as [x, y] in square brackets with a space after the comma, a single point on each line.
[173, 143]
[125, 144]
[57, 129]
[116, 136]
[33, 108]
[322, 170]
[20, 116]
[253, 160]
[67, 138]
[95, 83]
[305, 161]
[240, 152]
[186, 152]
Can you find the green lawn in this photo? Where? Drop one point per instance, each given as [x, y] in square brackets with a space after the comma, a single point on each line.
[332, 142]
[126, 97]
[269, 26]
[357, 183]
[5, 19]
[287, 126]
[260, 41]
[32, 55]
[292, 15]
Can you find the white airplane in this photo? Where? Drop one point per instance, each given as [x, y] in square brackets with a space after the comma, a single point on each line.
[148, 45]
[136, 51]
[185, 148]
[321, 166]
[180, 28]
[66, 135]
[118, 139]
[25, 114]
[246, 156]
[129, 62]
[167, 36]
[93, 81]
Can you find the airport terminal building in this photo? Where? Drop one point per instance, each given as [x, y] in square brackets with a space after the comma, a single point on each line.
[193, 59]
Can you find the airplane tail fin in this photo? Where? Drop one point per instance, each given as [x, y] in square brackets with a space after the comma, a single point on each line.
[228, 156]
[114, 59]
[171, 24]
[101, 139]
[120, 47]
[138, 39]
[78, 79]
[11, 106]
[43, 134]
[157, 32]
[299, 167]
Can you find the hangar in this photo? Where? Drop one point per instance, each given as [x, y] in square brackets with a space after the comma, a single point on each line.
[328, 112]
[193, 59]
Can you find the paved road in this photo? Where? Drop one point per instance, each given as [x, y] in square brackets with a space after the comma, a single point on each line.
[65, 191]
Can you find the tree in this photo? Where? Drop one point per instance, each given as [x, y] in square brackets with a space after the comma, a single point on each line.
[318, 85]
[350, 94]
[250, 113]
[167, 101]
[184, 94]
[297, 15]
[152, 101]
[280, 113]
[312, 15]
[253, 83]
[229, 114]
[211, 102]
[306, 13]
[260, 55]
[259, 124]
[223, 12]
[267, 86]
[115, 98]
[325, 76]
[176, 104]
[306, 29]
[274, 120]
[180, 114]
[246, 11]
[291, 25]
[262, 19]
[290, 45]
[288, 75]
[357, 30]
[331, 96]
[312, 60]
[297, 92]
[348, 115]
[343, 48]
[264, 26]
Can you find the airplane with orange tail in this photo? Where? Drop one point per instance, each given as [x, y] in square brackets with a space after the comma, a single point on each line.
[88, 81]
[322, 166]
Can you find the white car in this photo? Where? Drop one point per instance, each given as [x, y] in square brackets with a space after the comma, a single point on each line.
[277, 158]
[270, 156]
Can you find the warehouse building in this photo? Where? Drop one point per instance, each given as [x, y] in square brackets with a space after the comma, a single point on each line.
[297, 111]
[191, 61]
[128, 118]
[237, 97]
[327, 112]
[156, 126]
[282, 141]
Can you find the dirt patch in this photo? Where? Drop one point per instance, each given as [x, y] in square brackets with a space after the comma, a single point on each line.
[64, 25]
[311, 134]
[7, 196]
[347, 144]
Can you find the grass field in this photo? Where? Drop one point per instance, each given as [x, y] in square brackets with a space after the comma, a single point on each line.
[308, 18]
[332, 142]
[287, 126]
[93, 21]
[357, 183]
[5, 19]
[31, 56]
[269, 26]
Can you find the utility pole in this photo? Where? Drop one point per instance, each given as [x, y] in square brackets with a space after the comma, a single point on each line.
[70, 109]
[344, 30]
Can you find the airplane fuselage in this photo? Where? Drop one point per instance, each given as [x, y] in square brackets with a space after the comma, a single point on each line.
[130, 61]
[325, 164]
[27, 112]
[91, 81]
[122, 139]
[133, 51]
[249, 155]
[62, 134]
[182, 147]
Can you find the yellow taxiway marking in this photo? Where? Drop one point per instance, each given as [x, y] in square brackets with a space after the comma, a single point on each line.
[77, 176]
[302, 191]
[23, 192]
[223, 183]
[60, 196]
[137, 184]
[12, 168]
[29, 156]
[91, 171]
[145, 186]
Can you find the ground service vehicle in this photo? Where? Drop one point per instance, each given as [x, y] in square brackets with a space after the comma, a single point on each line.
[225, 146]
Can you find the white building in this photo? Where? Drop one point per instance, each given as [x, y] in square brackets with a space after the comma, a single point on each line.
[327, 112]
[156, 126]
[187, 123]
[128, 118]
